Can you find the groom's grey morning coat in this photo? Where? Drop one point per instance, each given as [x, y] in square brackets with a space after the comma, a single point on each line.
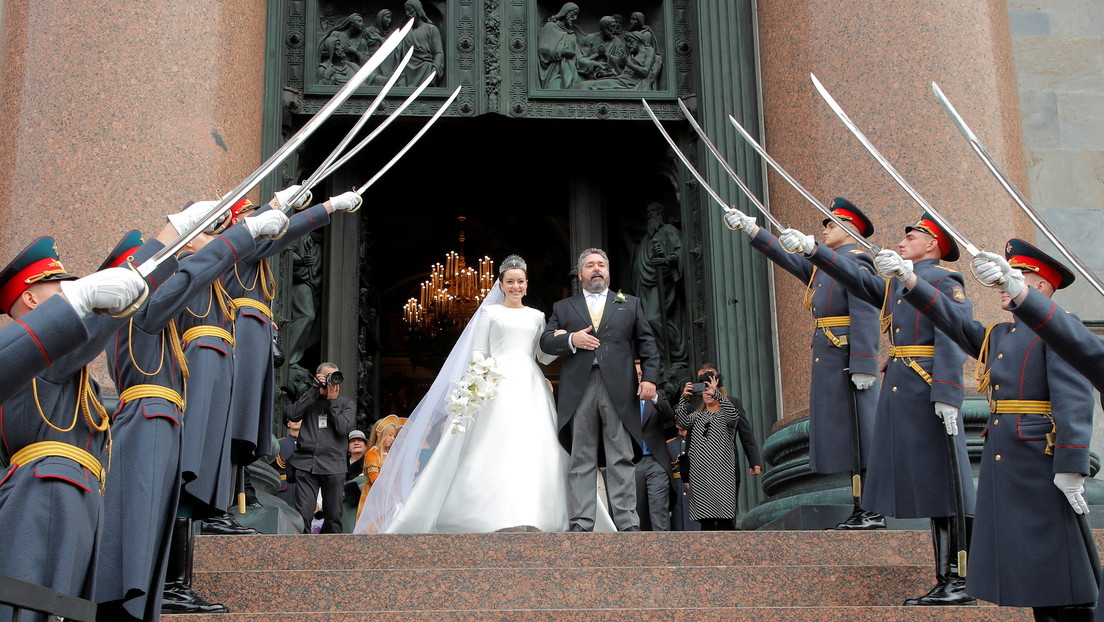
[625, 334]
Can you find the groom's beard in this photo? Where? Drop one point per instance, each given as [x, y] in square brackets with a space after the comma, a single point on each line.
[597, 283]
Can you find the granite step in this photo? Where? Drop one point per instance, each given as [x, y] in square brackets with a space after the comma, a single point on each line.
[761, 575]
[634, 614]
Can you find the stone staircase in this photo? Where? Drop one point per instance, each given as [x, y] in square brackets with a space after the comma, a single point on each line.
[684, 576]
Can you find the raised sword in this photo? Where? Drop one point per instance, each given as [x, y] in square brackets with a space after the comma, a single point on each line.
[728, 169]
[1017, 196]
[389, 45]
[407, 146]
[861, 241]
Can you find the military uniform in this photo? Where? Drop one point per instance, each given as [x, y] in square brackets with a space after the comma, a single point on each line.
[287, 478]
[909, 471]
[845, 341]
[680, 514]
[251, 285]
[1026, 548]
[148, 368]
[55, 442]
[206, 326]
[32, 342]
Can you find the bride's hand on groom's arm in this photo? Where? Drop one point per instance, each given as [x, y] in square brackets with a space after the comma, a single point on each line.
[558, 332]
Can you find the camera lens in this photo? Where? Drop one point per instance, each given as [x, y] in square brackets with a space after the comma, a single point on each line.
[335, 377]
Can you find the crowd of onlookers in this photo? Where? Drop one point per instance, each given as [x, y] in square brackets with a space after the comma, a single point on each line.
[687, 478]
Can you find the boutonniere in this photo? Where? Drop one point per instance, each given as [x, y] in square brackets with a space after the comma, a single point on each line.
[619, 298]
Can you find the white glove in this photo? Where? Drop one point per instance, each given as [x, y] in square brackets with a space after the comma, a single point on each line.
[794, 241]
[113, 289]
[283, 196]
[949, 415]
[863, 381]
[271, 223]
[735, 219]
[1073, 486]
[889, 264]
[346, 202]
[191, 215]
[991, 267]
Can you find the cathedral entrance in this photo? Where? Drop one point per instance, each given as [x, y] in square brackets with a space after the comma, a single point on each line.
[542, 189]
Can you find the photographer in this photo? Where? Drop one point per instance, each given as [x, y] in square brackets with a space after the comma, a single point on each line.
[713, 422]
[320, 459]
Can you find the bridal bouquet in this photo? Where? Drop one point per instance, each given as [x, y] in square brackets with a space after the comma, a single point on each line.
[478, 385]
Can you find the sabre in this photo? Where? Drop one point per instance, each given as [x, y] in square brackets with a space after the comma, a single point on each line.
[389, 45]
[936, 216]
[1017, 196]
[407, 146]
[376, 132]
[323, 169]
[728, 169]
[698, 176]
[861, 241]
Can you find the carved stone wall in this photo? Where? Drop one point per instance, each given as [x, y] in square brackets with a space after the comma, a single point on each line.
[491, 49]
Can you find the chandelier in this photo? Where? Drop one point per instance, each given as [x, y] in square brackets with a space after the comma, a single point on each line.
[451, 295]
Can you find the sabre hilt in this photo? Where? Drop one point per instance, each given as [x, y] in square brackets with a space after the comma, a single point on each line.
[134, 306]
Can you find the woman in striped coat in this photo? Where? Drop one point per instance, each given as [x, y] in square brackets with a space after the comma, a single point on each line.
[713, 422]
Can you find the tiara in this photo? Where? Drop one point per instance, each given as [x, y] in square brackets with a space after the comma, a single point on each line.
[512, 262]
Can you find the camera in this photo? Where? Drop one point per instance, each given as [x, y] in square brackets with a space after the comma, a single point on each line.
[334, 377]
[698, 387]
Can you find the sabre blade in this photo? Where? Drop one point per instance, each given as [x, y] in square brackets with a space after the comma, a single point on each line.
[693, 171]
[376, 132]
[389, 45]
[861, 241]
[728, 169]
[322, 171]
[889, 168]
[1017, 196]
[407, 146]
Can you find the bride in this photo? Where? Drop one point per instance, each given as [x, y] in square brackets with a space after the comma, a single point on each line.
[504, 470]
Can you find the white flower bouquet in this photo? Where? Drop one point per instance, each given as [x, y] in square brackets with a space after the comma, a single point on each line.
[478, 385]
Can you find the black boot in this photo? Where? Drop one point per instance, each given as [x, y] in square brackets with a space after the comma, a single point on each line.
[1065, 613]
[178, 596]
[224, 525]
[861, 520]
[950, 589]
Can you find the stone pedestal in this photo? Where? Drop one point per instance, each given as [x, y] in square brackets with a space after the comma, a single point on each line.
[114, 114]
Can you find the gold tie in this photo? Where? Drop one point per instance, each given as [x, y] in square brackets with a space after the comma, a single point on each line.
[596, 316]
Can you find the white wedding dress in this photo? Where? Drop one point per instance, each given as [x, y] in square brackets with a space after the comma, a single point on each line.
[507, 469]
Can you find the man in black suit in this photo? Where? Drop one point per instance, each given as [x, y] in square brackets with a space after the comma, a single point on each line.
[599, 392]
[654, 479]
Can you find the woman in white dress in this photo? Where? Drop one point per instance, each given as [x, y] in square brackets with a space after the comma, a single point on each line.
[504, 470]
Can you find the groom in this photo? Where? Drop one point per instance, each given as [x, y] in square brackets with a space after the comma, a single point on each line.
[599, 392]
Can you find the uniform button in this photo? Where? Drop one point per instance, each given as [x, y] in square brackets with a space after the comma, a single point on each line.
[816, 360]
[1000, 356]
[997, 457]
[896, 330]
[1013, 329]
[996, 387]
[996, 422]
[894, 389]
[898, 301]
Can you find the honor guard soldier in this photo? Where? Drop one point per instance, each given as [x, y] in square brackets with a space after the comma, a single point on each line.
[843, 392]
[910, 469]
[206, 326]
[1063, 334]
[148, 366]
[252, 288]
[1026, 549]
[54, 328]
[56, 442]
